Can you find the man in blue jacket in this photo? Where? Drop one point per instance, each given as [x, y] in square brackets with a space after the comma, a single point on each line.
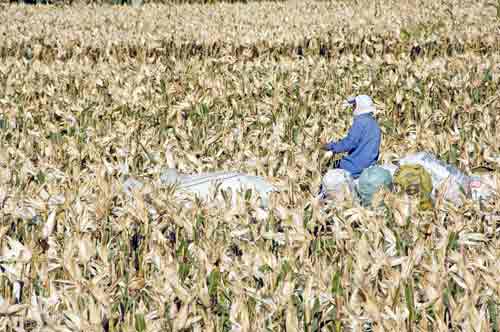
[362, 143]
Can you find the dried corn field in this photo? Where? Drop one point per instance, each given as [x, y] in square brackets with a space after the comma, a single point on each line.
[91, 95]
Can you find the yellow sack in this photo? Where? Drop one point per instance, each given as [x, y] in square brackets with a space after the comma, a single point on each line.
[415, 180]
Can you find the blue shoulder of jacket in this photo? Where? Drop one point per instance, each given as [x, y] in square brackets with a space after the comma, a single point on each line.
[364, 118]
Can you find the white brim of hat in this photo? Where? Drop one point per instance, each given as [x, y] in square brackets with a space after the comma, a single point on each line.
[364, 110]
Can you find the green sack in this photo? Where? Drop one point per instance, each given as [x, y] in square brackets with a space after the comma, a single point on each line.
[415, 180]
[372, 180]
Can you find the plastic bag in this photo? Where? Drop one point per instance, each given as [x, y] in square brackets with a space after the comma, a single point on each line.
[447, 180]
[414, 180]
[338, 185]
[372, 180]
[391, 168]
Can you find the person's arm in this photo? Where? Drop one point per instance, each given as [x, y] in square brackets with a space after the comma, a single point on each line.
[348, 143]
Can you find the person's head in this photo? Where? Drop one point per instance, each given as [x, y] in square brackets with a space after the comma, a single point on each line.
[362, 104]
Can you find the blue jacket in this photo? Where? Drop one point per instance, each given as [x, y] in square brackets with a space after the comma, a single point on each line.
[362, 145]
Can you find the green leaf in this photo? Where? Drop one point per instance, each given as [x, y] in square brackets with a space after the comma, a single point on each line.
[336, 284]
[285, 269]
[265, 268]
[3, 124]
[410, 301]
[492, 309]
[213, 282]
[140, 322]
[488, 76]
[404, 35]
[203, 110]
[452, 241]
[40, 177]
[248, 194]
[295, 135]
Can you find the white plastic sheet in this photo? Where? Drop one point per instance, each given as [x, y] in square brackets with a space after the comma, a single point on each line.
[203, 184]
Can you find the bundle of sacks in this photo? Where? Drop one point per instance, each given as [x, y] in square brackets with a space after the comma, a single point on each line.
[338, 185]
[419, 175]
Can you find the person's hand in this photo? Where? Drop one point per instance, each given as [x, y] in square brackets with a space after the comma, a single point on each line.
[323, 144]
[349, 102]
